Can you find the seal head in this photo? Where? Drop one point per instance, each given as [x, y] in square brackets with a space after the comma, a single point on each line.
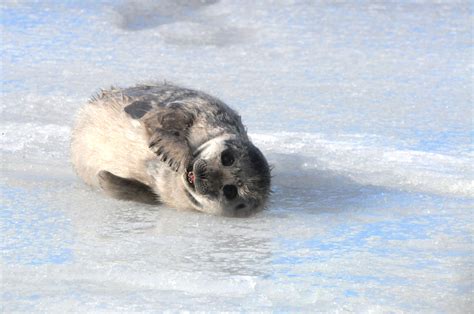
[229, 177]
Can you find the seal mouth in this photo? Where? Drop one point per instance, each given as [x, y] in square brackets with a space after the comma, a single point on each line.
[189, 175]
[197, 177]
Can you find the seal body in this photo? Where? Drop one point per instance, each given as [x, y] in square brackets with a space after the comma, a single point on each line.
[166, 144]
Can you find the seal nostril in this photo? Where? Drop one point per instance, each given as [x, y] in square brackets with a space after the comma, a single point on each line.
[230, 191]
[240, 206]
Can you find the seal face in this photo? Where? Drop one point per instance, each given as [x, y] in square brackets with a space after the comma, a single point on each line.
[165, 143]
[228, 175]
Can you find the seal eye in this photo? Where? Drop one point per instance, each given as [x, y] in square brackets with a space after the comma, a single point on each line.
[230, 191]
[227, 158]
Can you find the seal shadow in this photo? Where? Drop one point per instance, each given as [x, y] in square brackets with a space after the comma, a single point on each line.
[298, 187]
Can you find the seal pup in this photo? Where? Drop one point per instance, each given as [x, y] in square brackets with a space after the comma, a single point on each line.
[166, 144]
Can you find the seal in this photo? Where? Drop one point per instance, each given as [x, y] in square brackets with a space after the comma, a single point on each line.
[161, 143]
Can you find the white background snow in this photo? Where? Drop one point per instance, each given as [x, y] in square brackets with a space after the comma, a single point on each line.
[363, 108]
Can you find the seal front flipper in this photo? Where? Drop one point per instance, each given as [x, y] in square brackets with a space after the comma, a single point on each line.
[126, 189]
[168, 127]
[171, 146]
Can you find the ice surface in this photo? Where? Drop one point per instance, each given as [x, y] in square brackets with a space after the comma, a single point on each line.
[364, 110]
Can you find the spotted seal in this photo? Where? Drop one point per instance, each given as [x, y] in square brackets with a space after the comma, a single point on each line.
[161, 143]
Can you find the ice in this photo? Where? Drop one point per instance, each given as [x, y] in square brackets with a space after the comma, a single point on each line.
[364, 110]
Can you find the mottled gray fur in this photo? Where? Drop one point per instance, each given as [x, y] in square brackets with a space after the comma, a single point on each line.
[165, 143]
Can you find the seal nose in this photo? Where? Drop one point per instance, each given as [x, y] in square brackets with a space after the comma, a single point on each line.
[214, 178]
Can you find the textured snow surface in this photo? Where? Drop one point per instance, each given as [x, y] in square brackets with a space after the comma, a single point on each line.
[364, 109]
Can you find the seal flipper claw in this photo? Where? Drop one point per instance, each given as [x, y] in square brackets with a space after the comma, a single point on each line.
[126, 189]
[170, 148]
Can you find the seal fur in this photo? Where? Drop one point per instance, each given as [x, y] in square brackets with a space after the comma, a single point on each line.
[162, 143]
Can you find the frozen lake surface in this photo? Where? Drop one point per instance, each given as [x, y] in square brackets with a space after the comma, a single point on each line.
[364, 110]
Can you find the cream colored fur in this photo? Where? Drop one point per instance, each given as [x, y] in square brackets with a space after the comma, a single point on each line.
[105, 138]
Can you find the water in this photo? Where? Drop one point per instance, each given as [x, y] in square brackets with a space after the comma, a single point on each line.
[363, 109]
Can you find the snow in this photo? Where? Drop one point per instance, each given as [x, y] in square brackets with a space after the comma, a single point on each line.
[364, 110]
